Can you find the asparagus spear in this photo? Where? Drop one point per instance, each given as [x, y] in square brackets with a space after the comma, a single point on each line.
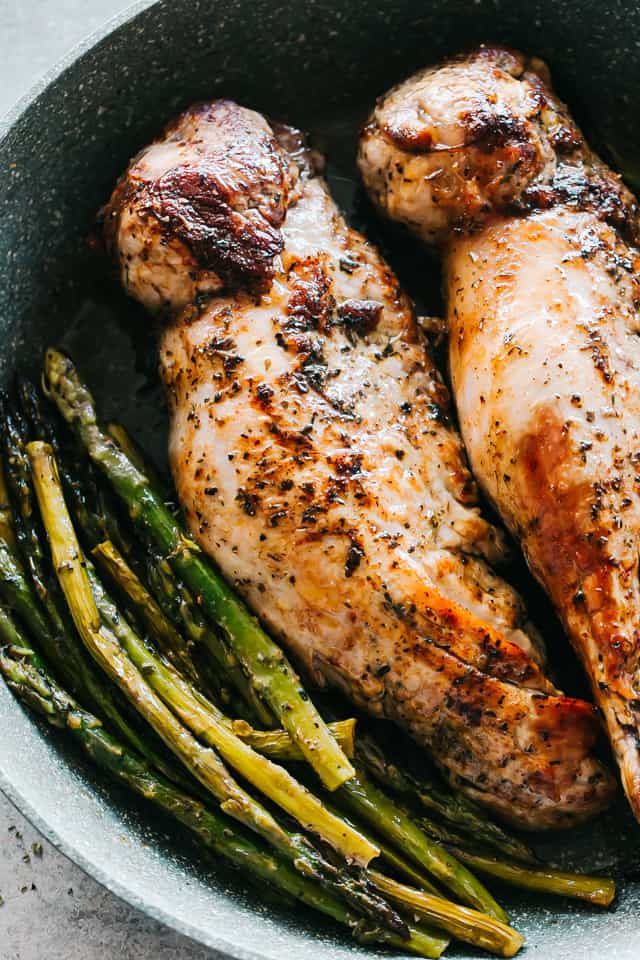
[406, 869]
[393, 858]
[271, 674]
[19, 595]
[95, 518]
[26, 524]
[42, 429]
[278, 745]
[7, 531]
[26, 675]
[156, 574]
[452, 807]
[202, 761]
[90, 503]
[461, 922]
[167, 638]
[598, 890]
[443, 833]
[128, 445]
[69, 659]
[188, 614]
[103, 646]
[211, 727]
[13, 640]
[65, 650]
[544, 879]
[373, 806]
[171, 595]
[181, 608]
[425, 900]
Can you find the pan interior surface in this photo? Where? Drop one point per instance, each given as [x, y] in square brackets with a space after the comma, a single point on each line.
[59, 158]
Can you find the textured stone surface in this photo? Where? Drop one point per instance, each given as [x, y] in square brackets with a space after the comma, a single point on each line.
[55, 911]
[34, 35]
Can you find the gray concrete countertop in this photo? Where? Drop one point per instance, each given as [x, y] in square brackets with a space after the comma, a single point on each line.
[50, 909]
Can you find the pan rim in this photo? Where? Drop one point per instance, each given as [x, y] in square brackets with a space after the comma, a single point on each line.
[21, 797]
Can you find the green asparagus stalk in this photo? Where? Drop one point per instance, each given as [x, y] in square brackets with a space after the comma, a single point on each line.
[462, 923]
[9, 633]
[545, 879]
[278, 745]
[157, 575]
[452, 807]
[42, 429]
[42, 593]
[391, 856]
[166, 637]
[7, 532]
[597, 890]
[271, 674]
[425, 900]
[210, 726]
[91, 504]
[128, 445]
[229, 670]
[26, 675]
[387, 818]
[71, 569]
[70, 661]
[442, 833]
[406, 869]
[26, 524]
[174, 599]
[92, 512]
[167, 634]
[18, 593]
[200, 760]
[96, 519]
[180, 607]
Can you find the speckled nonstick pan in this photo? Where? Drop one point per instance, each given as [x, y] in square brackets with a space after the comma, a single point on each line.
[318, 64]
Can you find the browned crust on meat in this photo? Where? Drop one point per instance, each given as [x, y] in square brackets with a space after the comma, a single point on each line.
[226, 205]
[572, 526]
[486, 127]
[505, 144]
